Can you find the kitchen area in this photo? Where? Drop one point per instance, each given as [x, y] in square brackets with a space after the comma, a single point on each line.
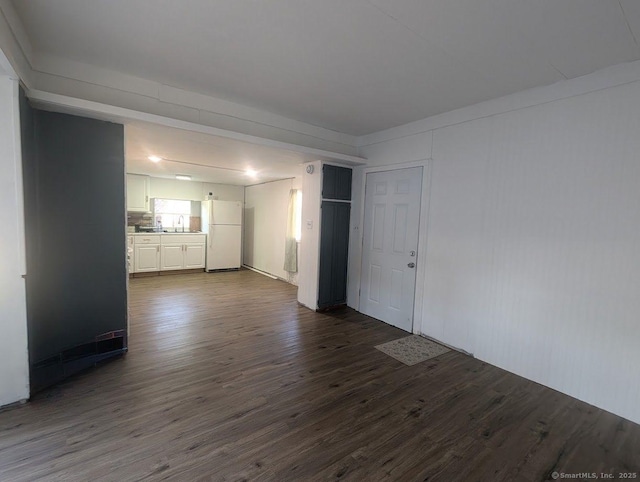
[139, 215]
[182, 226]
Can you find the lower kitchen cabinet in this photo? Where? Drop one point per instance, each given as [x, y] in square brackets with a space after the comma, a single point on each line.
[194, 256]
[146, 255]
[182, 256]
[172, 256]
[167, 252]
[147, 258]
[182, 251]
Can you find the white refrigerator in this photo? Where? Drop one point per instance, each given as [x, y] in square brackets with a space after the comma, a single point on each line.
[222, 221]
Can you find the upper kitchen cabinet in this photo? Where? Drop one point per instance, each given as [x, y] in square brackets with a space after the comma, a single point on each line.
[336, 183]
[137, 193]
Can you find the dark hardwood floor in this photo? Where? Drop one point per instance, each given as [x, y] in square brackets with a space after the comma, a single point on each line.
[227, 378]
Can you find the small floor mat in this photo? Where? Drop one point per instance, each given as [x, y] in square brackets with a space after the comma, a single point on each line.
[412, 349]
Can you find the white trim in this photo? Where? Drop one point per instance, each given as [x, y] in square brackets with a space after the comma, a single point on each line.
[63, 71]
[66, 74]
[338, 164]
[421, 271]
[613, 76]
[14, 43]
[259, 271]
[54, 73]
[17, 29]
[14, 383]
[63, 103]
[5, 66]
[17, 139]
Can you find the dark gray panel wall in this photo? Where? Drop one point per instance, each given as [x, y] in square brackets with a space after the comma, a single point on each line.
[75, 229]
[336, 182]
[334, 251]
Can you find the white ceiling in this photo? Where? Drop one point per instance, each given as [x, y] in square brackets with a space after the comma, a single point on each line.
[354, 66]
[205, 157]
[5, 66]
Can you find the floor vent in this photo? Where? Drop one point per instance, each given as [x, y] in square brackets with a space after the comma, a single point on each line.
[75, 359]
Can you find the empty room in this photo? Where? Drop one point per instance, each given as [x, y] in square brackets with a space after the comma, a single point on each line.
[337, 240]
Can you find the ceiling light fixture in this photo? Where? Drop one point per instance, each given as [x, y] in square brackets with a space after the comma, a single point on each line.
[183, 177]
[251, 172]
[154, 158]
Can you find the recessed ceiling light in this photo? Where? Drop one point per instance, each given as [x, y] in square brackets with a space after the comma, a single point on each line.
[251, 172]
[183, 177]
[155, 158]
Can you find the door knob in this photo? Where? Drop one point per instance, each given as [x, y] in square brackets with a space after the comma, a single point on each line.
[411, 265]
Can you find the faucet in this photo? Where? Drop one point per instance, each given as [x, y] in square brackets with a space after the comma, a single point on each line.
[181, 221]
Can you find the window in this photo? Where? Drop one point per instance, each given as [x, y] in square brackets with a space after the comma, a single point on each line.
[172, 213]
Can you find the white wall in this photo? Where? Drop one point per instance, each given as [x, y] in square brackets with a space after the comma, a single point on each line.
[175, 189]
[14, 369]
[532, 249]
[265, 226]
[193, 190]
[310, 240]
[51, 74]
[223, 192]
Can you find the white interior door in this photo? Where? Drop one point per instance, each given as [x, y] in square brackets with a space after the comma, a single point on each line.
[390, 245]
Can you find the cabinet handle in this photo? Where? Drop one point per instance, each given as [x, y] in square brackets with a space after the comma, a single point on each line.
[158, 249]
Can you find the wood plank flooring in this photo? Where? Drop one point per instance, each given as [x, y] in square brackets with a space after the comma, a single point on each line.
[227, 378]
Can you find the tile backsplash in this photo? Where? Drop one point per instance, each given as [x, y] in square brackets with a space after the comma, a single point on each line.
[140, 219]
[146, 220]
[195, 223]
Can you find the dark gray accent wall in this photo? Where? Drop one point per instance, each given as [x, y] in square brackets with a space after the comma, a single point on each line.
[336, 182]
[334, 236]
[74, 182]
[334, 253]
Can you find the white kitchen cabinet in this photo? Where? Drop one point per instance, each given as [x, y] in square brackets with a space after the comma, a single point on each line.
[147, 258]
[172, 256]
[194, 256]
[137, 193]
[166, 252]
[182, 251]
[146, 253]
